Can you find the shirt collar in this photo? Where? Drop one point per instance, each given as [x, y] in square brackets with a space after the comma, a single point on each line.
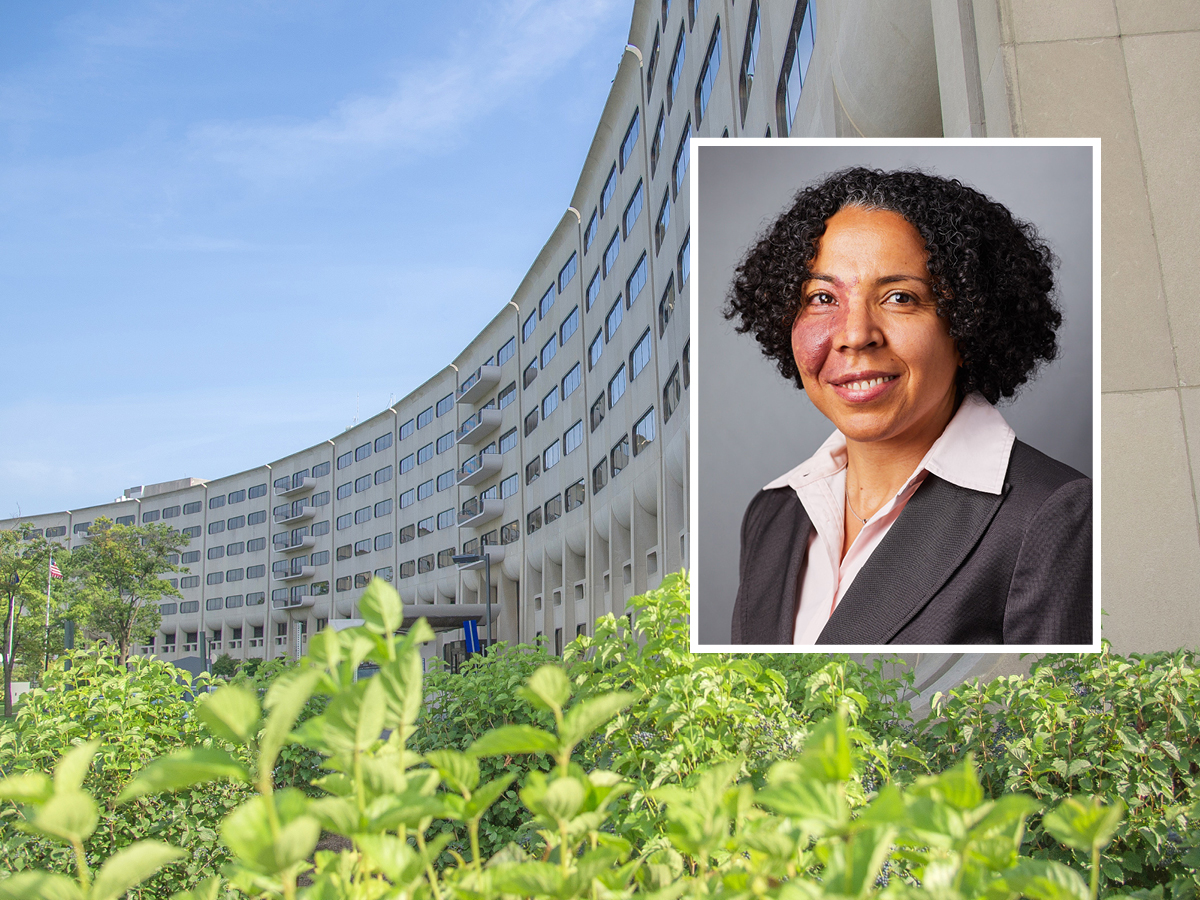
[972, 452]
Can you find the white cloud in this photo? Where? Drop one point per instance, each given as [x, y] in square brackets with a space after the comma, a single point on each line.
[512, 47]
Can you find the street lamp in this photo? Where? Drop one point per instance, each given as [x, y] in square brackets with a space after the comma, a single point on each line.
[465, 560]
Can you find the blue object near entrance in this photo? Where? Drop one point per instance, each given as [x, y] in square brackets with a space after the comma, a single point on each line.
[471, 632]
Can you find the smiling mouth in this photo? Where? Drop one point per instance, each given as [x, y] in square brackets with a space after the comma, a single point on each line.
[868, 383]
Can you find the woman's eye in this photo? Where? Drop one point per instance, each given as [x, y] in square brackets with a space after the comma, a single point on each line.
[821, 299]
[901, 298]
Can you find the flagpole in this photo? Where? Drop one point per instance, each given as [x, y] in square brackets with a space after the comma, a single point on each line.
[48, 577]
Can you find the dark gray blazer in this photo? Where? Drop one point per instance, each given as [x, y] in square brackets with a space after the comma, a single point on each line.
[957, 567]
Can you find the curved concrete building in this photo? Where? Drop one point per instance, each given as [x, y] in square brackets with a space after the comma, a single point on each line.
[558, 438]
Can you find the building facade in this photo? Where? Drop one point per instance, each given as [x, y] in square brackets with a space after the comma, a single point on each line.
[558, 439]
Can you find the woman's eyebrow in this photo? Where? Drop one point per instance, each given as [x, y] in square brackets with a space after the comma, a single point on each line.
[884, 279]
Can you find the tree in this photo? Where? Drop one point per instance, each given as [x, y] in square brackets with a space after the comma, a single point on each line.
[24, 568]
[119, 579]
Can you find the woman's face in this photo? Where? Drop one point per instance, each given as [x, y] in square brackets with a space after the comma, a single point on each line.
[873, 353]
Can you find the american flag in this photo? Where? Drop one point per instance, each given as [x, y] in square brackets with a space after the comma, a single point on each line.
[54, 571]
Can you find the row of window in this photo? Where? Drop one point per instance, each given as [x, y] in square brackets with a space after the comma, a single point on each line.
[553, 508]
[235, 522]
[296, 479]
[249, 573]
[234, 549]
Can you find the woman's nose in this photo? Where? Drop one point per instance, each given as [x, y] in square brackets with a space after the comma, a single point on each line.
[859, 327]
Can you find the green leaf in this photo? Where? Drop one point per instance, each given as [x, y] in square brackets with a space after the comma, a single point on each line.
[547, 688]
[232, 714]
[532, 879]
[790, 794]
[184, 769]
[247, 832]
[208, 889]
[73, 767]
[285, 700]
[39, 886]
[131, 866]
[488, 794]
[826, 755]
[380, 607]
[1085, 825]
[401, 678]
[370, 717]
[32, 787]
[67, 816]
[1043, 879]
[584, 718]
[458, 770]
[959, 786]
[509, 740]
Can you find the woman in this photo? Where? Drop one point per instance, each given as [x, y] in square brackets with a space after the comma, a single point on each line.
[905, 305]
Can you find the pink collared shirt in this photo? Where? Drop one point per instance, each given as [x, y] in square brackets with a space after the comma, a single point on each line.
[972, 453]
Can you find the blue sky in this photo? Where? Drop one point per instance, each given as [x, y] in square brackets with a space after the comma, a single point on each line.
[225, 227]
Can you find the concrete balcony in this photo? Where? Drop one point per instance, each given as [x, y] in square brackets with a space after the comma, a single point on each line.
[299, 486]
[479, 468]
[305, 543]
[478, 426]
[295, 518]
[474, 513]
[294, 602]
[477, 386]
[494, 551]
[296, 574]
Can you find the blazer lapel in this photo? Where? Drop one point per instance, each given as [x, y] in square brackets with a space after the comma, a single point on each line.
[939, 527]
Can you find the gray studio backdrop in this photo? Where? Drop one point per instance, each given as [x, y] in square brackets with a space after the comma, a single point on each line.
[752, 426]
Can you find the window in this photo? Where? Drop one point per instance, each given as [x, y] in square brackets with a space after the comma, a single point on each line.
[425, 564]
[597, 413]
[507, 396]
[344, 583]
[235, 549]
[234, 602]
[425, 526]
[550, 456]
[595, 349]
[361, 579]
[345, 459]
[550, 402]
[345, 521]
[682, 158]
[533, 470]
[553, 508]
[643, 431]
[529, 326]
[533, 521]
[170, 512]
[510, 532]
[575, 495]
[666, 306]
[150, 515]
[531, 371]
[666, 11]
[257, 518]
[663, 220]
[319, 589]
[408, 569]
[383, 475]
[321, 558]
[573, 437]
[445, 519]
[683, 262]
[572, 380]
[345, 490]
[425, 418]
[640, 357]
[631, 136]
[443, 406]
[385, 573]
[611, 252]
[425, 454]
[505, 353]
[407, 463]
[363, 547]
[531, 422]
[445, 442]
[425, 489]
[253, 546]
[320, 528]
[190, 581]
[345, 551]
[619, 457]
[362, 483]
[190, 606]
[610, 188]
[361, 453]
[218, 527]
[633, 209]
[126, 520]
[589, 233]
[749, 58]
[656, 145]
[216, 552]
[593, 289]
[407, 533]
[216, 578]
[567, 272]
[383, 541]
[600, 476]
[613, 320]
[616, 387]
[708, 73]
[216, 502]
[362, 515]
[236, 497]
[549, 349]
[407, 429]
[192, 531]
[676, 68]
[637, 281]
[569, 326]
[408, 498]
[508, 440]
[445, 480]
[383, 508]
[671, 394]
[445, 558]
[795, 66]
[508, 486]
[383, 442]
[190, 557]
[652, 65]
[188, 509]
[320, 470]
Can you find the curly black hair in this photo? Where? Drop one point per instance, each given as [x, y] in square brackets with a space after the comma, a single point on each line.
[992, 274]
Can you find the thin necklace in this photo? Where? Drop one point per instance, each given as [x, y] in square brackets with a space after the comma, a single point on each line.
[853, 510]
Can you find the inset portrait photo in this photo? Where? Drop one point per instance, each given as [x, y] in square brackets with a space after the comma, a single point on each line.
[895, 395]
